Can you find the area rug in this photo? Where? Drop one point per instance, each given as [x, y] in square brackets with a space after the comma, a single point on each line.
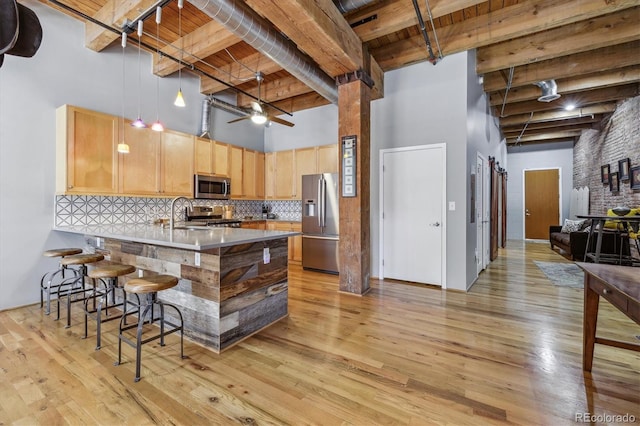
[562, 274]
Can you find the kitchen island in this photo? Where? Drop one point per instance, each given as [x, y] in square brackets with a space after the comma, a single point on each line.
[233, 282]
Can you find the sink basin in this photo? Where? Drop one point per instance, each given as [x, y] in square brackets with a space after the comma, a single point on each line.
[193, 228]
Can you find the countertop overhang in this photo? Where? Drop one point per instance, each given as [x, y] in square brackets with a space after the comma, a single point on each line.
[200, 239]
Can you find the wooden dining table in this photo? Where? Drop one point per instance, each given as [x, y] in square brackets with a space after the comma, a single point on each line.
[620, 286]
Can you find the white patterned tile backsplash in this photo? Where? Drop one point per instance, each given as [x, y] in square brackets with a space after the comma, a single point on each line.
[97, 210]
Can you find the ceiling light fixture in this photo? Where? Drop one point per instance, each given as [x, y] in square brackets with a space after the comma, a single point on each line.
[157, 126]
[549, 90]
[122, 146]
[258, 117]
[570, 107]
[138, 121]
[179, 102]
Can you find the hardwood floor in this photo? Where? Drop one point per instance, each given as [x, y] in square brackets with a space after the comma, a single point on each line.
[508, 351]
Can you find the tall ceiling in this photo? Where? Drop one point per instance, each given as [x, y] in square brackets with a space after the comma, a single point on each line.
[590, 48]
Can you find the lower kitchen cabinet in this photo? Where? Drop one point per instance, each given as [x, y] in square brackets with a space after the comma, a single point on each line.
[295, 243]
[254, 224]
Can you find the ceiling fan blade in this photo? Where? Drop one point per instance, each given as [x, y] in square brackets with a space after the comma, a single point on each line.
[239, 119]
[256, 106]
[281, 121]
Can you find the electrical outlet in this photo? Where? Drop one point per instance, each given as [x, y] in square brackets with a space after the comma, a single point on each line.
[196, 260]
[266, 256]
[452, 205]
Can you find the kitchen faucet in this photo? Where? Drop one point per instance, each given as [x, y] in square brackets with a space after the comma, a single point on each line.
[173, 202]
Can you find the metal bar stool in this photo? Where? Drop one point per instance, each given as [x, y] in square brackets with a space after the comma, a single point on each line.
[50, 277]
[149, 287]
[109, 275]
[75, 287]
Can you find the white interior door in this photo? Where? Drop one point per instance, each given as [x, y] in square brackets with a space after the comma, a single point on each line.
[412, 199]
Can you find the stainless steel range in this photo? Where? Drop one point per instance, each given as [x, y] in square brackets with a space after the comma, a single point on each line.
[210, 216]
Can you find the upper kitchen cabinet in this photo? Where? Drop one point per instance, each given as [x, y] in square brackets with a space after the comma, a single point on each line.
[140, 168]
[236, 160]
[86, 151]
[211, 157]
[269, 175]
[328, 158]
[283, 176]
[176, 164]
[305, 164]
[253, 174]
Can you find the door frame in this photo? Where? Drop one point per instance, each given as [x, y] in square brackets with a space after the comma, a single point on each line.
[483, 213]
[524, 197]
[443, 202]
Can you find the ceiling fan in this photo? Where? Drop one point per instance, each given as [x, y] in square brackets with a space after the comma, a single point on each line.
[258, 114]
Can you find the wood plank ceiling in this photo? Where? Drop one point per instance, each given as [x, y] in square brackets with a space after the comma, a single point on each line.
[590, 48]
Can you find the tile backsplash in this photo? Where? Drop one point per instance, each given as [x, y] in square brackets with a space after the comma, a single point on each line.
[97, 210]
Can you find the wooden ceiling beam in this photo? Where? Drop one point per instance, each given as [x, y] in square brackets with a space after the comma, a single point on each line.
[543, 116]
[530, 130]
[598, 60]
[545, 125]
[563, 134]
[113, 13]
[206, 40]
[234, 73]
[569, 85]
[581, 99]
[300, 103]
[603, 31]
[396, 15]
[504, 24]
[275, 90]
[318, 28]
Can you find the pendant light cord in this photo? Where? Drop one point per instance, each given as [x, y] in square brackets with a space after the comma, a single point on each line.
[139, 78]
[124, 44]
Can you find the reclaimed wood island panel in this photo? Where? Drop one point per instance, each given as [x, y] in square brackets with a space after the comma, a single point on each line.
[226, 292]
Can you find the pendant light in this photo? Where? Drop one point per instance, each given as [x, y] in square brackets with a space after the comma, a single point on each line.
[122, 146]
[138, 122]
[179, 102]
[157, 126]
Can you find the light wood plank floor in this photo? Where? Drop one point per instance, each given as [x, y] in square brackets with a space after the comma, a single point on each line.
[509, 351]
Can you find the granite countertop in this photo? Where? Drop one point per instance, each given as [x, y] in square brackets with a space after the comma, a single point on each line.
[192, 239]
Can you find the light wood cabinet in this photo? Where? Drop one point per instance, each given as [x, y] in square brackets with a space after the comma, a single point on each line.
[211, 157]
[86, 151]
[294, 243]
[269, 175]
[305, 164]
[140, 168]
[236, 155]
[176, 166]
[284, 175]
[254, 224]
[328, 158]
[249, 173]
[260, 192]
[203, 157]
[221, 159]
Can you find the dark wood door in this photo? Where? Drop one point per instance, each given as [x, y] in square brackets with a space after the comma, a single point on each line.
[541, 202]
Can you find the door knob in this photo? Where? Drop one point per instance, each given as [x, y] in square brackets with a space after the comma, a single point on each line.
[435, 224]
[526, 212]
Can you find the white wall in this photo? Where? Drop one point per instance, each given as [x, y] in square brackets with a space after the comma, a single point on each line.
[423, 104]
[63, 71]
[483, 136]
[537, 156]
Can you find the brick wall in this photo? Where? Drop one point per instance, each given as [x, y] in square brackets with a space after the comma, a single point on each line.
[618, 138]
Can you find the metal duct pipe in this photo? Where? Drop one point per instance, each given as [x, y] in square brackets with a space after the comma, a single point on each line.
[243, 22]
[225, 106]
[345, 6]
[549, 90]
[204, 123]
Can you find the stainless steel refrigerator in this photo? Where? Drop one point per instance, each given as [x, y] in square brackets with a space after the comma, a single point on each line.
[320, 222]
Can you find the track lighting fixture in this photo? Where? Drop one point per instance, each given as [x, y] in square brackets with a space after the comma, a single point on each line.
[179, 102]
[138, 121]
[122, 146]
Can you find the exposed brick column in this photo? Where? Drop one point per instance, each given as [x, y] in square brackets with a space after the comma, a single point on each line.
[354, 113]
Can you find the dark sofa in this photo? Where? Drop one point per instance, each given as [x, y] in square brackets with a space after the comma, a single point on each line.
[575, 243]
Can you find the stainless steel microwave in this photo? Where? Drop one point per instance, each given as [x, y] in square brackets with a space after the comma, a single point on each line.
[211, 187]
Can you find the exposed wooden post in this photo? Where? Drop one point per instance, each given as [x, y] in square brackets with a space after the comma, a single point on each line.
[354, 114]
